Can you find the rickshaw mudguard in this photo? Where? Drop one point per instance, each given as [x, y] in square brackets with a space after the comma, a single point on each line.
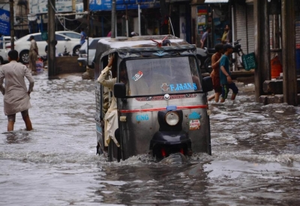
[169, 138]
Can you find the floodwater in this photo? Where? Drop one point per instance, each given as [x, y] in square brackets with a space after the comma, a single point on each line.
[255, 156]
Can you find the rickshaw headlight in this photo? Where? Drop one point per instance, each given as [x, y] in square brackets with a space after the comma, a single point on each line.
[172, 118]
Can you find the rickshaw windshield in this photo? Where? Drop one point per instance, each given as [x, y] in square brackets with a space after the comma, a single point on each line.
[158, 76]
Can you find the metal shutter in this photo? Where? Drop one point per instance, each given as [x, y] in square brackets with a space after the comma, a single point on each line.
[244, 26]
[240, 25]
[250, 26]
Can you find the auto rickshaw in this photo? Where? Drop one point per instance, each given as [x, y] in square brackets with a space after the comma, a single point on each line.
[161, 100]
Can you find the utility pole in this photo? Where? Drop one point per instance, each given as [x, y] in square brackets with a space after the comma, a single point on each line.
[12, 29]
[139, 18]
[165, 17]
[113, 18]
[51, 40]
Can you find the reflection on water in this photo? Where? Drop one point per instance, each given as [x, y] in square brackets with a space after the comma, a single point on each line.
[255, 156]
[17, 137]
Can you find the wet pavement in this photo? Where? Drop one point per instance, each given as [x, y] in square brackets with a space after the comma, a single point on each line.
[255, 156]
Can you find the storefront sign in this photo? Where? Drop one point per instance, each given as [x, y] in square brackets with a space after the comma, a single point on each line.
[297, 34]
[105, 5]
[41, 6]
[201, 18]
[4, 22]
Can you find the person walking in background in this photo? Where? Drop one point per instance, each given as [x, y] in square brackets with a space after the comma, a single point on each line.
[33, 54]
[204, 42]
[226, 37]
[225, 78]
[16, 95]
[215, 74]
[82, 36]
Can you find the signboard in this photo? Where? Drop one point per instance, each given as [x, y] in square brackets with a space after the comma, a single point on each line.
[297, 34]
[201, 18]
[105, 5]
[249, 61]
[79, 9]
[41, 6]
[4, 22]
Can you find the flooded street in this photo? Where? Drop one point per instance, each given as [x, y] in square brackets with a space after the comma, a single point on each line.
[255, 156]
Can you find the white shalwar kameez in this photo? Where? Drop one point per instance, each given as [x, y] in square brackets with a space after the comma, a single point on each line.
[111, 116]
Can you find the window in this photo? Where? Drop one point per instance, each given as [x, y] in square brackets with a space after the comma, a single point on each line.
[38, 37]
[60, 37]
[93, 44]
[163, 75]
[71, 35]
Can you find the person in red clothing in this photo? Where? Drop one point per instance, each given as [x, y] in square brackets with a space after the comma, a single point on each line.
[215, 74]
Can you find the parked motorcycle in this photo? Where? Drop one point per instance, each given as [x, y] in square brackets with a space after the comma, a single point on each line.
[237, 49]
[204, 55]
[66, 53]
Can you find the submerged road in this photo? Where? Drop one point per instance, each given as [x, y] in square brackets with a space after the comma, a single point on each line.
[255, 156]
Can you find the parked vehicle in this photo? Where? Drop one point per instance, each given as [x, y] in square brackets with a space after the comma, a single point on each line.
[206, 54]
[161, 99]
[83, 55]
[3, 51]
[22, 45]
[70, 34]
[74, 36]
[237, 49]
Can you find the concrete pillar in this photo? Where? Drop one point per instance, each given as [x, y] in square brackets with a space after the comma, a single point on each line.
[51, 40]
[113, 19]
[262, 45]
[288, 52]
[12, 24]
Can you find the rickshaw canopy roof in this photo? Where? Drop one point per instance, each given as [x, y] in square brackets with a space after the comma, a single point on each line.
[125, 46]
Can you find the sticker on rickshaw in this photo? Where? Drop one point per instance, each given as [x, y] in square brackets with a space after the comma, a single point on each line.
[194, 124]
[137, 76]
[142, 117]
[165, 87]
[194, 121]
[183, 86]
[194, 115]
